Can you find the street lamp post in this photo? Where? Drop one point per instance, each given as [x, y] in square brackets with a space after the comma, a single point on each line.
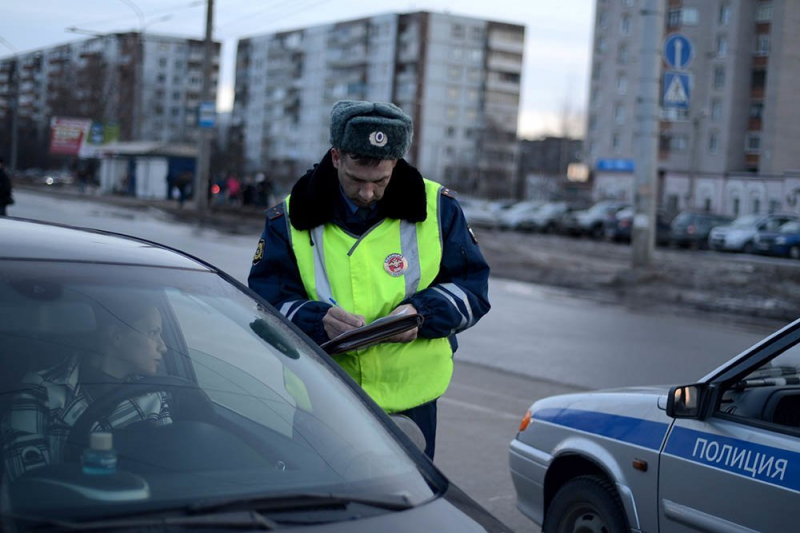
[204, 140]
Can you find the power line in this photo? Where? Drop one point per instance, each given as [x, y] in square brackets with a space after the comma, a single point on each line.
[292, 13]
[175, 7]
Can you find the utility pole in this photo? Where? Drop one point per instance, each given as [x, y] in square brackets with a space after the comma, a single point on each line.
[14, 115]
[643, 232]
[204, 141]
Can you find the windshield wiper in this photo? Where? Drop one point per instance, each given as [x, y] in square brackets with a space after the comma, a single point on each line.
[298, 502]
[228, 520]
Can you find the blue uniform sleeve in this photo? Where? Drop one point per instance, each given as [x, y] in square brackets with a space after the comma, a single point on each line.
[275, 277]
[459, 295]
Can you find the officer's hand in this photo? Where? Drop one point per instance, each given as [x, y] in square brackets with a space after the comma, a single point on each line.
[336, 321]
[406, 336]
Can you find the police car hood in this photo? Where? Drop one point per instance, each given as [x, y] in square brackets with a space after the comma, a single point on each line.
[636, 415]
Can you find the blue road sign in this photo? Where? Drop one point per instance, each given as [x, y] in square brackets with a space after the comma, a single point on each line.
[206, 114]
[676, 91]
[677, 51]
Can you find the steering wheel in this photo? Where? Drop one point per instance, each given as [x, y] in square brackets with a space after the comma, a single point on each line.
[191, 402]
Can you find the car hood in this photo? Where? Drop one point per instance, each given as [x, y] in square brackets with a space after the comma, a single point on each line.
[635, 415]
[734, 230]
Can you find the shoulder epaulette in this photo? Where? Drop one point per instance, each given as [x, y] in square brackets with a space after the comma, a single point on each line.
[447, 192]
[275, 211]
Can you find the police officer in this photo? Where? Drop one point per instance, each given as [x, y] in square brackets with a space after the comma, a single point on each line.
[363, 235]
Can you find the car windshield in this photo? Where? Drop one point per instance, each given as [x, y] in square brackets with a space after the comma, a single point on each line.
[206, 395]
[746, 221]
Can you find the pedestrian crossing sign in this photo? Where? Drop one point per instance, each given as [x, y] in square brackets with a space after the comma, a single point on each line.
[676, 90]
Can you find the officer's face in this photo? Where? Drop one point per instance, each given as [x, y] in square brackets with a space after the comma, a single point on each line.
[363, 184]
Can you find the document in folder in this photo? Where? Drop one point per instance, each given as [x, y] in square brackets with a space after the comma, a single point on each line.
[375, 333]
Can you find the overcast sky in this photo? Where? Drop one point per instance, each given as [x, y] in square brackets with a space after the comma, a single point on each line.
[557, 35]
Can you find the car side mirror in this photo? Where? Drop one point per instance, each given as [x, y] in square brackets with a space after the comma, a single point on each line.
[411, 429]
[687, 401]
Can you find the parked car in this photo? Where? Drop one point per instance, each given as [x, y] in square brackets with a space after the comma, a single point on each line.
[618, 227]
[480, 213]
[511, 217]
[592, 221]
[537, 217]
[264, 430]
[740, 235]
[691, 229]
[785, 242]
[567, 223]
[722, 454]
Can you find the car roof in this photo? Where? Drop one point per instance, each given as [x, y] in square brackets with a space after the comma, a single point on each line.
[44, 241]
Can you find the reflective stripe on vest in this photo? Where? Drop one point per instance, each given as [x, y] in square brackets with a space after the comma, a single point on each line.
[369, 276]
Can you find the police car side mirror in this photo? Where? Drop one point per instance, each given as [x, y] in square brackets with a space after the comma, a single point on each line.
[687, 401]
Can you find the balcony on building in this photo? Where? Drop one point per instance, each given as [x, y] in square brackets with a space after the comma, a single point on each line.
[504, 62]
[507, 42]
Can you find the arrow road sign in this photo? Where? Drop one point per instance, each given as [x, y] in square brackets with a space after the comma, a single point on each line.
[677, 51]
[676, 89]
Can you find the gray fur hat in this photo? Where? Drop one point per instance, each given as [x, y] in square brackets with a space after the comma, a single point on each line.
[370, 129]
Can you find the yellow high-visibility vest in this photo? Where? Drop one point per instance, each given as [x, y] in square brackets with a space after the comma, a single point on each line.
[369, 276]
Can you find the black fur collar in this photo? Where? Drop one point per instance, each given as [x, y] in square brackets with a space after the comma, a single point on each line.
[314, 195]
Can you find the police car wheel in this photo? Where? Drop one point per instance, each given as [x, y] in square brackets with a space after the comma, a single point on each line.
[587, 504]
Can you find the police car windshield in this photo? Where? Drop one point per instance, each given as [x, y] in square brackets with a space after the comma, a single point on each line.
[219, 400]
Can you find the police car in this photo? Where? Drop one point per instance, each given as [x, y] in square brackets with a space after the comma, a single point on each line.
[722, 454]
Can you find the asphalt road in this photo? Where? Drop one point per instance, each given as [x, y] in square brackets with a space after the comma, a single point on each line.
[535, 342]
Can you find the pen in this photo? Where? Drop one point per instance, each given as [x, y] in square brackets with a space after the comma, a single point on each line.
[334, 302]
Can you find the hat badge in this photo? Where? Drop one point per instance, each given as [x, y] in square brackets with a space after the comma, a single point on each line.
[378, 138]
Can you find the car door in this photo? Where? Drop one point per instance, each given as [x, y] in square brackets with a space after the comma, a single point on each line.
[739, 468]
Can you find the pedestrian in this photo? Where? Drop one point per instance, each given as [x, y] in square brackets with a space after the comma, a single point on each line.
[6, 198]
[364, 235]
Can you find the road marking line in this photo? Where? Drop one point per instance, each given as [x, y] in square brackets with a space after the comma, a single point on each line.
[486, 410]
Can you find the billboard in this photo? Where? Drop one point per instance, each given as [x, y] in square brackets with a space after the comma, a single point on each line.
[67, 135]
[80, 137]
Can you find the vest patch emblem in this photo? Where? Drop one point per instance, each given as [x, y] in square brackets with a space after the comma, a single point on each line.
[395, 265]
[259, 255]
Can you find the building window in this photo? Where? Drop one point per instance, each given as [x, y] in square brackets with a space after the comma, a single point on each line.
[616, 142]
[752, 143]
[724, 14]
[474, 74]
[764, 12]
[716, 109]
[673, 18]
[625, 25]
[719, 77]
[628, 3]
[457, 31]
[457, 53]
[601, 45]
[774, 206]
[622, 84]
[162, 62]
[161, 78]
[757, 110]
[690, 16]
[622, 54]
[476, 55]
[619, 114]
[454, 72]
[713, 143]
[722, 46]
[176, 95]
[451, 132]
[756, 206]
[592, 123]
[602, 20]
[736, 206]
[758, 79]
[472, 95]
[762, 44]
[452, 93]
[678, 143]
[452, 112]
[596, 70]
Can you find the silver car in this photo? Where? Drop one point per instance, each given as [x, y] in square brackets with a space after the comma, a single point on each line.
[722, 454]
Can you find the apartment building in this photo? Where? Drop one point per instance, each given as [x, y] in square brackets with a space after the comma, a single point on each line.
[457, 77]
[142, 86]
[729, 143]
